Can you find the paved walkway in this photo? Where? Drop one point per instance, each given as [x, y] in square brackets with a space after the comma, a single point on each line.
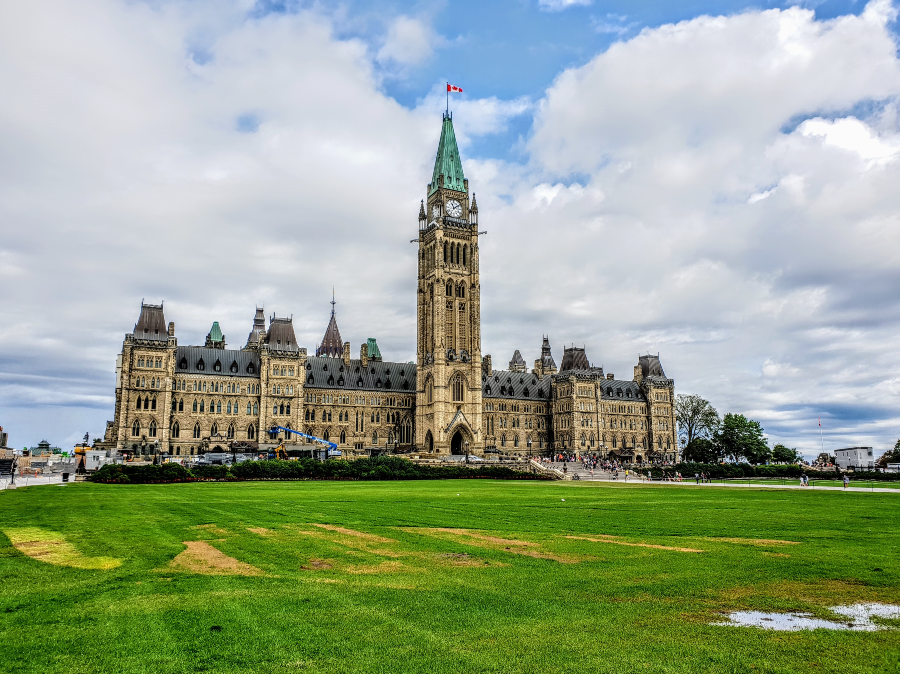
[793, 484]
[28, 481]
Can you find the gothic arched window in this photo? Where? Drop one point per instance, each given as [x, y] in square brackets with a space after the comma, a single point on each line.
[429, 390]
[230, 431]
[215, 429]
[457, 387]
[343, 436]
[251, 432]
[136, 428]
[152, 433]
[138, 403]
[445, 251]
[176, 430]
[197, 430]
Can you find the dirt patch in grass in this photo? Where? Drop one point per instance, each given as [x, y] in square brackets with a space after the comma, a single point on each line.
[753, 542]
[386, 567]
[316, 564]
[353, 542]
[610, 539]
[200, 557]
[261, 531]
[212, 528]
[465, 560]
[354, 533]
[770, 554]
[52, 547]
[482, 540]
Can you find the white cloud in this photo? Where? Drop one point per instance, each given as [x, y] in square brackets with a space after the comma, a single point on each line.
[409, 41]
[560, 5]
[671, 202]
[783, 245]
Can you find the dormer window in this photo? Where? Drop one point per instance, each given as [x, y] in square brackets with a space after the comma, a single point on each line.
[201, 365]
[217, 366]
[250, 369]
[234, 366]
[182, 365]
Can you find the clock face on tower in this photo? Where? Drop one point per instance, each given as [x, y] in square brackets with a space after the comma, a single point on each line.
[436, 211]
[454, 209]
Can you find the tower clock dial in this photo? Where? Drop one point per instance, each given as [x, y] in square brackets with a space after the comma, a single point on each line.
[436, 211]
[454, 209]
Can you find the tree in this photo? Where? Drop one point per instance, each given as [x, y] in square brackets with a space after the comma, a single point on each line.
[740, 438]
[785, 455]
[702, 450]
[696, 417]
[891, 456]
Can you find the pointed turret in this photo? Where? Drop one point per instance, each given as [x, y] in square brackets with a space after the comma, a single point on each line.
[474, 207]
[332, 345]
[447, 162]
[215, 339]
[259, 326]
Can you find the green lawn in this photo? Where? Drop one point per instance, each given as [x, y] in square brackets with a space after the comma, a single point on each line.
[421, 577]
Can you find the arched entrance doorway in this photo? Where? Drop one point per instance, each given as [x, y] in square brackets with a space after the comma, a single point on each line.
[429, 442]
[457, 444]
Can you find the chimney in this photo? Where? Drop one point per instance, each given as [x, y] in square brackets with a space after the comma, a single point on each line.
[610, 376]
[171, 329]
[364, 355]
[638, 374]
[486, 365]
[346, 354]
[538, 370]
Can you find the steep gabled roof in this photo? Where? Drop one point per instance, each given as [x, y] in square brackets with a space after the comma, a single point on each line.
[650, 366]
[447, 161]
[281, 335]
[332, 345]
[574, 358]
[507, 384]
[151, 324]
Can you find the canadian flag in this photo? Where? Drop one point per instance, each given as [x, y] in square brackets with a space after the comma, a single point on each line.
[453, 87]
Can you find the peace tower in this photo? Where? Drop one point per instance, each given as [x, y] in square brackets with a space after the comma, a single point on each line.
[448, 391]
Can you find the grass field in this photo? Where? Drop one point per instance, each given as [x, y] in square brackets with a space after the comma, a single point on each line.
[438, 576]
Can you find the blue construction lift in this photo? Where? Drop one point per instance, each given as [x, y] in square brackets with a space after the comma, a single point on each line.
[332, 447]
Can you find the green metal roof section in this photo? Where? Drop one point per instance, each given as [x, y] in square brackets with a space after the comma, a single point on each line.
[215, 333]
[374, 352]
[447, 161]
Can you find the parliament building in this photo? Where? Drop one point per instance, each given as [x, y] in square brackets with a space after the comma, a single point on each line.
[187, 400]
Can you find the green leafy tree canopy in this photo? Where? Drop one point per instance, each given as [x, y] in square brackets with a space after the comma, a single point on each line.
[702, 451]
[740, 438]
[891, 456]
[785, 455]
[696, 418]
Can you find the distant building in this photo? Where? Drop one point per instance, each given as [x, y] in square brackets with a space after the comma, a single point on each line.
[857, 457]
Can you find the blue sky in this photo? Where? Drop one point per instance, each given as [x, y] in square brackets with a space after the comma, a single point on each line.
[722, 192]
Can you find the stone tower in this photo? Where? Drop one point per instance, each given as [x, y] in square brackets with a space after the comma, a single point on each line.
[448, 388]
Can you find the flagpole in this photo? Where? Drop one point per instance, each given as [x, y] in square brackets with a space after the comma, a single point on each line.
[821, 435]
[448, 98]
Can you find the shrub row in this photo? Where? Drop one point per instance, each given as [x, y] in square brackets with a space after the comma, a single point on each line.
[376, 468]
[742, 470]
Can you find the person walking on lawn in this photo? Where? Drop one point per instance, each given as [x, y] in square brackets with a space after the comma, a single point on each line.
[846, 480]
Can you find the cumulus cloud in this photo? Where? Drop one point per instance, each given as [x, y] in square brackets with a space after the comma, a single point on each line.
[722, 209]
[409, 41]
[709, 190]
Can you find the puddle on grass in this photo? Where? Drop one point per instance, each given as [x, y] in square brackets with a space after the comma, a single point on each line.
[859, 618]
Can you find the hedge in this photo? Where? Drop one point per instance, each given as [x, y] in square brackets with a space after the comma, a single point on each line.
[743, 470]
[375, 468]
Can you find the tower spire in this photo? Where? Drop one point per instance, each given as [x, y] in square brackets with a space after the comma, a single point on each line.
[447, 162]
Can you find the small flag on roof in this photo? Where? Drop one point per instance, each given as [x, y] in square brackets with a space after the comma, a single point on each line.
[453, 87]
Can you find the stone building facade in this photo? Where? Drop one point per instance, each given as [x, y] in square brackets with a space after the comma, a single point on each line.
[185, 400]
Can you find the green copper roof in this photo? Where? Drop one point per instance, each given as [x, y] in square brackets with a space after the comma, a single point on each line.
[374, 352]
[447, 161]
[215, 333]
